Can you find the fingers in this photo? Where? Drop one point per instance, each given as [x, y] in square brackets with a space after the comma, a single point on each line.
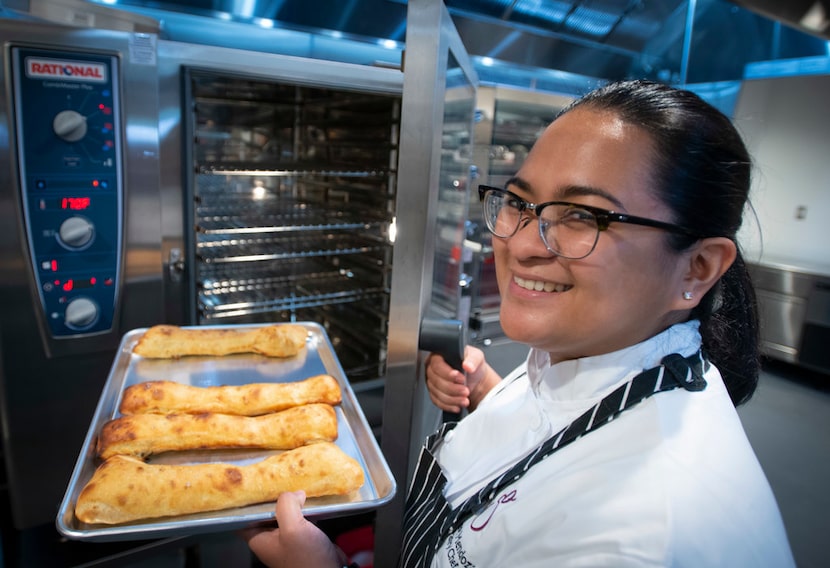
[296, 543]
[290, 510]
[448, 403]
[451, 390]
[445, 385]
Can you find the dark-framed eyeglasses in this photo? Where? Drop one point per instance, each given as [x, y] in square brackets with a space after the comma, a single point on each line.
[569, 230]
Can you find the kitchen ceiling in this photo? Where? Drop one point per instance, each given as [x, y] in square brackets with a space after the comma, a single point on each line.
[678, 41]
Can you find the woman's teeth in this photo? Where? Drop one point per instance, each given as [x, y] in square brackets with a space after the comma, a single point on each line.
[539, 286]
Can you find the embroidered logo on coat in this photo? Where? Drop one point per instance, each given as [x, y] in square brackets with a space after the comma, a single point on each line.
[481, 520]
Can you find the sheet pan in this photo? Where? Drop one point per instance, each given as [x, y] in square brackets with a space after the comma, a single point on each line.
[354, 437]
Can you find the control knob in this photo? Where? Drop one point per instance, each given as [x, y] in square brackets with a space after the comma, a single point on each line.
[80, 313]
[69, 125]
[76, 232]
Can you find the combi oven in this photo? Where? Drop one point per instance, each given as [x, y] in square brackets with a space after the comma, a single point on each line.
[145, 181]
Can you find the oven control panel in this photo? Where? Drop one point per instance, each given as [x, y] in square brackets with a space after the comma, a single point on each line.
[70, 173]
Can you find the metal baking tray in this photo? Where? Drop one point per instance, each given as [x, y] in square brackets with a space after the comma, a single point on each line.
[354, 437]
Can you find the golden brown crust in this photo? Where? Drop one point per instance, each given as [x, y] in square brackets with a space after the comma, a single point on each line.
[142, 435]
[166, 397]
[125, 489]
[171, 342]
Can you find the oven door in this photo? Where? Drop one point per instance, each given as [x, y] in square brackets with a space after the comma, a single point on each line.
[434, 188]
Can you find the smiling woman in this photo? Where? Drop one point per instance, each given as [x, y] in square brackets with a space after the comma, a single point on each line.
[615, 252]
[617, 442]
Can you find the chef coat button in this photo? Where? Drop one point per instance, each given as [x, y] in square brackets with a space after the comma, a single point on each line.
[448, 436]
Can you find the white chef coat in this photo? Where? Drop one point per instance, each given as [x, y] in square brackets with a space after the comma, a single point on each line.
[672, 481]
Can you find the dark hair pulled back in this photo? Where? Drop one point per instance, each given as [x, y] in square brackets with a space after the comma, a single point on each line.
[702, 173]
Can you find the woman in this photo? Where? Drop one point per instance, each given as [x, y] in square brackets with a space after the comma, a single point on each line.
[615, 253]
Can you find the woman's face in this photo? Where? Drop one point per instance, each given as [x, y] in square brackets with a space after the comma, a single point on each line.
[630, 287]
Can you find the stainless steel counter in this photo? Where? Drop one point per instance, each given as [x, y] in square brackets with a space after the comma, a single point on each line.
[794, 307]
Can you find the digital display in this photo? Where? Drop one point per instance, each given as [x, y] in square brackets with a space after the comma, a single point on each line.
[76, 284]
[75, 203]
[64, 203]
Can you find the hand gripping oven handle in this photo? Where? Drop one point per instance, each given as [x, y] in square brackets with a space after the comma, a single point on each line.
[446, 337]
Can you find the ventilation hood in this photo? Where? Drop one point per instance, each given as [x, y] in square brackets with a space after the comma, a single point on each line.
[539, 44]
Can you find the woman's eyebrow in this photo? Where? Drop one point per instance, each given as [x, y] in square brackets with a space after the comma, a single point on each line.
[568, 191]
[520, 183]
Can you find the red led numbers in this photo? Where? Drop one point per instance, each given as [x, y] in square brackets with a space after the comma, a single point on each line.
[75, 203]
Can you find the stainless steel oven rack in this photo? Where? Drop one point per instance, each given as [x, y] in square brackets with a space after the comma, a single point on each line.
[225, 202]
[276, 223]
[226, 276]
[250, 249]
[287, 169]
[281, 218]
[293, 202]
[289, 294]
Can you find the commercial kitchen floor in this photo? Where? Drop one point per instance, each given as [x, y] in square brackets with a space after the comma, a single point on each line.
[787, 421]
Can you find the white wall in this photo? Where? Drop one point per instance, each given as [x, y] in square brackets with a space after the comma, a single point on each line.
[786, 124]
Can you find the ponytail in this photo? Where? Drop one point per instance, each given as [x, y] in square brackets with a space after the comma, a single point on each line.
[729, 327]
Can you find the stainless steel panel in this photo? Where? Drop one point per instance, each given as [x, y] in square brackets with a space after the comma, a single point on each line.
[793, 301]
[408, 415]
[49, 386]
[782, 280]
[354, 437]
[782, 319]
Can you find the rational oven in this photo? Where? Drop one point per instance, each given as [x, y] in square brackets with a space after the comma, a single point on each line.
[200, 185]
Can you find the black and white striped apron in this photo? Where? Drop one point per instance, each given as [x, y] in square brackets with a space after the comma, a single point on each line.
[429, 518]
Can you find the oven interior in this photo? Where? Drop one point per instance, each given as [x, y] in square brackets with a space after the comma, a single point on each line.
[291, 189]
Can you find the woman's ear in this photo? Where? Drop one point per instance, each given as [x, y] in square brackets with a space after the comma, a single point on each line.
[708, 260]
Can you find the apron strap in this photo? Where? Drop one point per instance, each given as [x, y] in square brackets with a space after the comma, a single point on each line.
[429, 519]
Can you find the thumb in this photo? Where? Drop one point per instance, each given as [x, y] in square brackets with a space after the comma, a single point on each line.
[289, 509]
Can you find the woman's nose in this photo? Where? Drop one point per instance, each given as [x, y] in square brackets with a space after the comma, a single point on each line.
[526, 241]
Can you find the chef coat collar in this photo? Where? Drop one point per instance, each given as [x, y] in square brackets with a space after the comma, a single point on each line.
[589, 377]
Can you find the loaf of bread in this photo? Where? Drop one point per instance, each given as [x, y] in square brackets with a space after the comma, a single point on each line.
[142, 435]
[125, 489]
[168, 397]
[171, 342]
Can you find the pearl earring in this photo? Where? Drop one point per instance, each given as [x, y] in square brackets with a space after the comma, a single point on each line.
[687, 295]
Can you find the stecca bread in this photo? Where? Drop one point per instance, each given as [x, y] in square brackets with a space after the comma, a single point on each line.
[125, 489]
[142, 435]
[172, 342]
[161, 416]
[164, 397]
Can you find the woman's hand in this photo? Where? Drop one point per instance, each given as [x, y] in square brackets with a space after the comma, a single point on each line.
[450, 389]
[296, 543]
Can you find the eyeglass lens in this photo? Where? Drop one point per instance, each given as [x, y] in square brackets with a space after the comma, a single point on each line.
[567, 231]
